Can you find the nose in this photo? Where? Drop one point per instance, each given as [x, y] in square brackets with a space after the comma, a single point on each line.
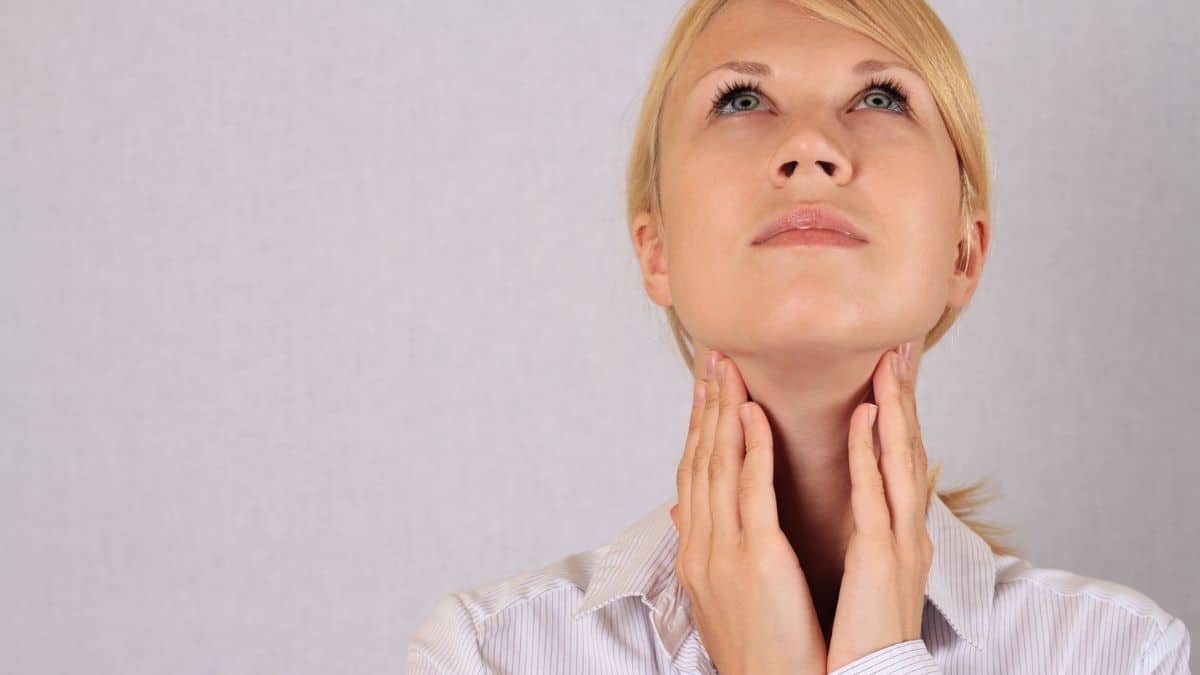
[827, 166]
[809, 151]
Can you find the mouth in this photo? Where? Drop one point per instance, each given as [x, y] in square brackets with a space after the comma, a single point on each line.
[812, 236]
[811, 223]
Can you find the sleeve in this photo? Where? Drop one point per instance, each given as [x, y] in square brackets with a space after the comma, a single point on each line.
[1168, 653]
[446, 643]
[903, 658]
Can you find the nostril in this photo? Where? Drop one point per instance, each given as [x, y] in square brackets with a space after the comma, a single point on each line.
[827, 166]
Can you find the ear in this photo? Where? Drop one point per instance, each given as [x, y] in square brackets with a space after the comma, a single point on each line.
[652, 258]
[967, 270]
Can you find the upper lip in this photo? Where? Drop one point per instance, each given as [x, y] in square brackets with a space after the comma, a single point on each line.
[809, 216]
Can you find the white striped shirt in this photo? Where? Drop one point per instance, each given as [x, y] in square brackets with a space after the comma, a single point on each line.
[619, 609]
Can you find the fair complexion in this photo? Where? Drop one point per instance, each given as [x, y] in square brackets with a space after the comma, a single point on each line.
[749, 596]
[806, 327]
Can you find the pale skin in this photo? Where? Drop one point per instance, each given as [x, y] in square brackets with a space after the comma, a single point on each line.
[808, 328]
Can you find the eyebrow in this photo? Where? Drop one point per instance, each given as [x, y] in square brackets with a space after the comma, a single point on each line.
[763, 70]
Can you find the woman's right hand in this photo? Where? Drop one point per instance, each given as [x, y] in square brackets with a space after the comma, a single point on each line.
[749, 596]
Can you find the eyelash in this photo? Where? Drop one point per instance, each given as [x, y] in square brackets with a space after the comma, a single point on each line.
[731, 90]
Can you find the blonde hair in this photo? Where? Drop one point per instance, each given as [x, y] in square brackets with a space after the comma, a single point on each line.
[910, 29]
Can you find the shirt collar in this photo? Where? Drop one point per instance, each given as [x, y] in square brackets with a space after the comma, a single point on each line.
[641, 562]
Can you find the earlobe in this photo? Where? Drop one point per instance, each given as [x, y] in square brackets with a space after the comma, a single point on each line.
[652, 258]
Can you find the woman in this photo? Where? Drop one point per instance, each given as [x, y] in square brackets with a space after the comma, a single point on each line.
[808, 199]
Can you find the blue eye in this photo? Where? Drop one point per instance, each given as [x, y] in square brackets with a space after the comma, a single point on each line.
[743, 94]
[735, 91]
[892, 90]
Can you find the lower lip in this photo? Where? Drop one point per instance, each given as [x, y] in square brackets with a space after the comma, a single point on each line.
[812, 237]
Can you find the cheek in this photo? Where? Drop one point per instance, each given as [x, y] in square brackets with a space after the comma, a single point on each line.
[706, 283]
[914, 275]
[714, 167]
[711, 197]
[910, 169]
[706, 288]
[915, 203]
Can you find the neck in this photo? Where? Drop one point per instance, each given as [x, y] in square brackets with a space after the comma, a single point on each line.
[808, 399]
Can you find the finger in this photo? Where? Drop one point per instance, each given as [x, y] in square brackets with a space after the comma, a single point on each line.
[756, 493]
[868, 504]
[683, 473]
[897, 456]
[700, 527]
[908, 394]
[725, 463]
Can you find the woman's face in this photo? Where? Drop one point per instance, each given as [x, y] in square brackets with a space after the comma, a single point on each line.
[817, 133]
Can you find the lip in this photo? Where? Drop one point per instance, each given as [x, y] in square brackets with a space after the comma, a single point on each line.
[809, 216]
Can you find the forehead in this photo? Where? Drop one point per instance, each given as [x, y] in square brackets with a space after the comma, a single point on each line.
[777, 32]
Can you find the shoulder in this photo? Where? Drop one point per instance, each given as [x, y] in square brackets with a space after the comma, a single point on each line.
[559, 584]
[1020, 581]
[461, 622]
[1086, 613]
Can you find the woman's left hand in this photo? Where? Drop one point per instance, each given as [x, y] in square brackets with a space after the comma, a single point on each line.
[890, 551]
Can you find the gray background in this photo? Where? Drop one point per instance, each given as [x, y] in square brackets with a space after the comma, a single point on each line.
[311, 313]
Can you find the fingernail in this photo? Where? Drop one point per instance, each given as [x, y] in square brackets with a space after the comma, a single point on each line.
[721, 372]
[871, 412]
[896, 359]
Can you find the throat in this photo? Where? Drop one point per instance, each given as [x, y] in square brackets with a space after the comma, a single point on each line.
[825, 604]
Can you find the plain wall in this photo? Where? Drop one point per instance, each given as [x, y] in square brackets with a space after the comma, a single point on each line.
[311, 313]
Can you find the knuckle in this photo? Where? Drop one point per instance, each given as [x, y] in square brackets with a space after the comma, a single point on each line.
[917, 554]
[762, 563]
[877, 489]
[723, 563]
[748, 489]
[926, 546]
[683, 474]
[693, 568]
[716, 465]
[914, 441]
[753, 443]
[882, 546]
[684, 580]
[868, 443]
[725, 397]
